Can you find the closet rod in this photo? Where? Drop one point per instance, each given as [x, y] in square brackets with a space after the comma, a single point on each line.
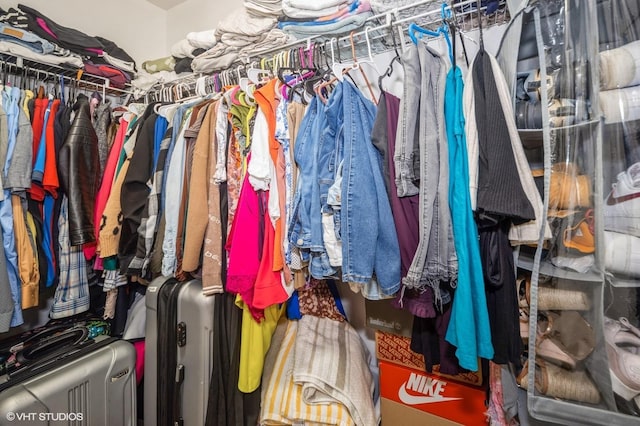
[386, 15]
[96, 81]
[460, 11]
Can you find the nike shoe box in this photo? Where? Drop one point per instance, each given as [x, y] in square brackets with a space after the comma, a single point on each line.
[397, 350]
[410, 397]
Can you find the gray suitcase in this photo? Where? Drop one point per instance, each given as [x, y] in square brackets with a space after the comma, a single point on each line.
[178, 353]
[95, 386]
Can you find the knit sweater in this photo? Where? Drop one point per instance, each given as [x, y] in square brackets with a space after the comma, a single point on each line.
[521, 233]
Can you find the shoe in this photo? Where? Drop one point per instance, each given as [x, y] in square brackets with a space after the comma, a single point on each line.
[622, 206]
[552, 298]
[580, 236]
[556, 382]
[568, 189]
[622, 254]
[564, 338]
[623, 350]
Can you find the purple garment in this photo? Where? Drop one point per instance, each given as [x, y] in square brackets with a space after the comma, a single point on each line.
[419, 303]
[406, 209]
[427, 338]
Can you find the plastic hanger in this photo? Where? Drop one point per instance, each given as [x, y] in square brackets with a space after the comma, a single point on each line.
[415, 31]
[254, 74]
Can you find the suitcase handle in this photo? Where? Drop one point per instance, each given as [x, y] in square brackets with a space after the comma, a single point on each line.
[46, 347]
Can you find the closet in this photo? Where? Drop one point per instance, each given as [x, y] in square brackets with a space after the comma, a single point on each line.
[386, 214]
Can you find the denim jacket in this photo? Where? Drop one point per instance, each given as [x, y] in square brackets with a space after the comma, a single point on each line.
[370, 250]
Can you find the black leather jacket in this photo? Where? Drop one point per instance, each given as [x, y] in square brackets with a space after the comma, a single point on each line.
[79, 171]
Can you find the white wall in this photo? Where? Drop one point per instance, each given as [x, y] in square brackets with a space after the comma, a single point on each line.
[197, 15]
[137, 26]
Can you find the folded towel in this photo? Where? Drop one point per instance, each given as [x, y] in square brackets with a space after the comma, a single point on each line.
[202, 39]
[620, 67]
[330, 363]
[282, 401]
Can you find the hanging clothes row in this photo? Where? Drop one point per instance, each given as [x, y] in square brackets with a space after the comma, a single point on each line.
[45, 126]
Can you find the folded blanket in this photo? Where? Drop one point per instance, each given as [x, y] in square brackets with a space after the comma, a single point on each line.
[208, 64]
[344, 25]
[312, 10]
[182, 49]
[620, 67]
[282, 401]
[330, 364]
[144, 81]
[240, 22]
[344, 13]
[263, 8]
[271, 40]
[238, 40]
[202, 39]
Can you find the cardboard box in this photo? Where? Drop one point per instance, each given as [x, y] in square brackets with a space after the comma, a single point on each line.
[397, 414]
[397, 350]
[384, 317]
[411, 390]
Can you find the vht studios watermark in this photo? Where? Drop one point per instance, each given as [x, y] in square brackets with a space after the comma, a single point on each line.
[44, 417]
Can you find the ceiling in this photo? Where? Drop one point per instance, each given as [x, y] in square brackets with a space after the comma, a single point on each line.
[166, 4]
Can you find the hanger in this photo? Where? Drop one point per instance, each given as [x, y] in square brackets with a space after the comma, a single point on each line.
[255, 74]
[61, 85]
[340, 70]
[453, 26]
[396, 58]
[415, 30]
[478, 6]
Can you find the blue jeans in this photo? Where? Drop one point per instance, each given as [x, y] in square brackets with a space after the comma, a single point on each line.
[435, 259]
[26, 39]
[369, 240]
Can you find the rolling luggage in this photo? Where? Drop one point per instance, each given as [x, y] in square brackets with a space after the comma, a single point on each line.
[72, 381]
[178, 353]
